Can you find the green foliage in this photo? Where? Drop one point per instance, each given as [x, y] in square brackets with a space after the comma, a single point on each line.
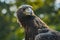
[11, 30]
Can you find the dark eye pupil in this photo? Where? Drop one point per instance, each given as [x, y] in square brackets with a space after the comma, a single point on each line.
[23, 8]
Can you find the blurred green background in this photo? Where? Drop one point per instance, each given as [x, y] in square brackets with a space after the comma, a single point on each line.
[47, 10]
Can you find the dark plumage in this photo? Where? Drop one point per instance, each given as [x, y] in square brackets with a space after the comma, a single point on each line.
[35, 28]
[49, 35]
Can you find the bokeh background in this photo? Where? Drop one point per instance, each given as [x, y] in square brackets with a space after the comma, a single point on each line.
[47, 10]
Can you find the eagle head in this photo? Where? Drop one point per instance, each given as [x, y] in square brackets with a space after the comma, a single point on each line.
[25, 10]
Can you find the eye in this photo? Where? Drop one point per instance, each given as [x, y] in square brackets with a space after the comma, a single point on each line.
[23, 8]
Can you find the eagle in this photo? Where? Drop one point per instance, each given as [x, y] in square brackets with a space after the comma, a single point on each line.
[35, 28]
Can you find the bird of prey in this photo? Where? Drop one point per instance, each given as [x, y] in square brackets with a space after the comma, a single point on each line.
[35, 28]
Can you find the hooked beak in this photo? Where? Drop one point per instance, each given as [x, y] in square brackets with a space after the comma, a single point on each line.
[28, 11]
